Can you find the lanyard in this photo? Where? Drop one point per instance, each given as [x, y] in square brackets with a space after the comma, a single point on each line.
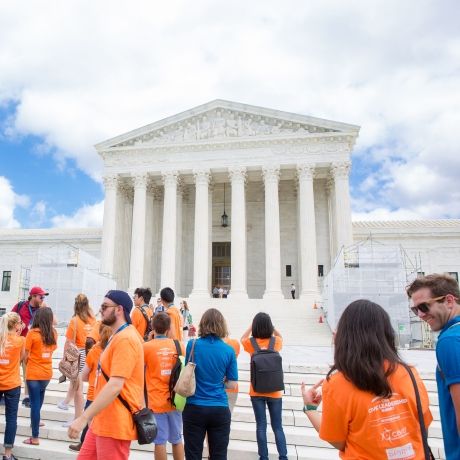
[32, 314]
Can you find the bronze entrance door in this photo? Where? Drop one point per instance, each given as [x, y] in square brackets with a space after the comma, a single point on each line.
[221, 265]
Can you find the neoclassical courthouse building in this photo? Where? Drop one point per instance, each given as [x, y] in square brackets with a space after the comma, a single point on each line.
[247, 198]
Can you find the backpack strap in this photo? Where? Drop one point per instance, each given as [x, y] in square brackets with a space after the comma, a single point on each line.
[123, 401]
[179, 351]
[271, 345]
[144, 315]
[255, 345]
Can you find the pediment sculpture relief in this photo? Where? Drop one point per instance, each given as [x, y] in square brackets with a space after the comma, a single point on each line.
[223, 124]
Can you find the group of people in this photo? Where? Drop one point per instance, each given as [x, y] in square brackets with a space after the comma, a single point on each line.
[219, 292]
[374, 405]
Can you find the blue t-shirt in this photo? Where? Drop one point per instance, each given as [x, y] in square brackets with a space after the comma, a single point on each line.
[215, 361]
[448, 373]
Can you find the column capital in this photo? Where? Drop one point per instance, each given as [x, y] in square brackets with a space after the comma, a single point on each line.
[126, 190]
[202, 176]
[110, 181]
[237, 173]
[140, 180]
[170, 178]
[340, 170]
[305, 171]
[271, 173]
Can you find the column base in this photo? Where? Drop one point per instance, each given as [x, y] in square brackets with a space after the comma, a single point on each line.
[273, 295]
[238, 295]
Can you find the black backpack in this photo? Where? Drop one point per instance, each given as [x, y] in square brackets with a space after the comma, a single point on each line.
[266, 368]
[175, 373]
[149, 327]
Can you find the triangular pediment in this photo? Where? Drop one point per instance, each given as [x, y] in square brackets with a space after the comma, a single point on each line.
[224, 120]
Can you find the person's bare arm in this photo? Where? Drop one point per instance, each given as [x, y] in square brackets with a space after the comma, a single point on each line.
[277, 333]
[230, 384]
[85, 374]
[455, 394]
[246, 334]
[26, 356]
[106, 396]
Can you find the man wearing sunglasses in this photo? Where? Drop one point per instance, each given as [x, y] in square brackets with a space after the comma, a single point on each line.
[434, 299]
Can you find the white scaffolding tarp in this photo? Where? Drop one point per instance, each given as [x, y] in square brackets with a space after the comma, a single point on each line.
[65, 271]
[377, 272]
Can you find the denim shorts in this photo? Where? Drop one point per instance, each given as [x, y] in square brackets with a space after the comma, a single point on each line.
[169, 426]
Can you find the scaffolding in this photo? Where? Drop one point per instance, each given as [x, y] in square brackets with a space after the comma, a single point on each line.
[64, 271]
[378, 272]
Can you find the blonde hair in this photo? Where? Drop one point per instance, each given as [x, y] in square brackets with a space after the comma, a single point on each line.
[82, 308]
[7, 324]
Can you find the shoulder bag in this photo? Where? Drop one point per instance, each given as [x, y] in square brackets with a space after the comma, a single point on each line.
[144, 419]
[426, 448]
[70, 362]
[186, 384]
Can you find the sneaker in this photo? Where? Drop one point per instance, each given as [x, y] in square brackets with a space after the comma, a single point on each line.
[26, 402]
[75, 447]
[62, 405]
[9, 458]
[67, 424]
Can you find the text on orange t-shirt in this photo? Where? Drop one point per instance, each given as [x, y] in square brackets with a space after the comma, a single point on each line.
[92, 359]
[83, 330]
[236, 347]
[40, 360]
[123, 357]
[10, 361]
[375, 427]
[160, 355]
[263, 344]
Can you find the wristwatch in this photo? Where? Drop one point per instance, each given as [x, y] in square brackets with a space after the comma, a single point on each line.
[309, 407]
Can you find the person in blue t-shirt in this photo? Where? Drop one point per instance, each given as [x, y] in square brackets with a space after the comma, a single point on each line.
[435, 300]
[207, 411]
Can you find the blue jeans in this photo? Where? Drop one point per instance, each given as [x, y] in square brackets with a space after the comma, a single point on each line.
[275, 407]
[11, 414]
[37, 395]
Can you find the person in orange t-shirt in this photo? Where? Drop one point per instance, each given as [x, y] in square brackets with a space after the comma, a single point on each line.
[160, 355]
[142, 313]
[11, 354]
[120, 374]
[41, 341]
[232, 393]
[167, 299]
[369, 404]
[80, 326]
[262, 330]
[89, 373]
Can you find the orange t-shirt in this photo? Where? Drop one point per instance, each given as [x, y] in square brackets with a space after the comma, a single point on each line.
[160, 356]
[138, 320]
[236, 346]
[263, 344]
[371, 426]
[123, 357]
[94, 334]
[176, 323]
[83, 330]
[40, 361]
[9, 363]
[92, 358]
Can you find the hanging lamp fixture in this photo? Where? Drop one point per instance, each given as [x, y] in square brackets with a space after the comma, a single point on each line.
[224, 217]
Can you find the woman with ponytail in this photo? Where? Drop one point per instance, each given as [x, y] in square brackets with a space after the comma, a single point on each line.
[41, 341]
[11, 355]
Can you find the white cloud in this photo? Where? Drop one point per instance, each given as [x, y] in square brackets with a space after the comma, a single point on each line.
[81, 74]
[86, 216]
[39, 212]
[8, 203]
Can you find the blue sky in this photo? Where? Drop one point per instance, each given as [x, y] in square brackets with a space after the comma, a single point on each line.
[73, 75]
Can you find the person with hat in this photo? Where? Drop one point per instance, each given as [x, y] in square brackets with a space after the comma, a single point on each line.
[120, 374]
[26, 310]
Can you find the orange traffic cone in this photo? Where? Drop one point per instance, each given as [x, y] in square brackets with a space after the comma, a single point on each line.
[315, 307]
[320, 320]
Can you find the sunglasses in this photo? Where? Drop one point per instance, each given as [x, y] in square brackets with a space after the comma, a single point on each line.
[104, 307]
[424, 307]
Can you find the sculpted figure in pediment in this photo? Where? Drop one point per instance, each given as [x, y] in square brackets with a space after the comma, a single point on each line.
[190, 132]
[231, 128]
[204, 128]
[218, 129]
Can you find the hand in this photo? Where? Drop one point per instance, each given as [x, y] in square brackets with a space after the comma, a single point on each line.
[77, 427]
[312, 395]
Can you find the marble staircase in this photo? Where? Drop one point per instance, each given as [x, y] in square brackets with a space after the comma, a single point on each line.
[303, 441]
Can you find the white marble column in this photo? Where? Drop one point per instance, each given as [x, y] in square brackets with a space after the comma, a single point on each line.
[307, 231]
[201, 235]
[136, 266]
[331, 219]
[179, 255]
[210, 199]
[149, 239]
[168, 247]
[238, 233]
[272, 233]
[343, 226]
[109, 225]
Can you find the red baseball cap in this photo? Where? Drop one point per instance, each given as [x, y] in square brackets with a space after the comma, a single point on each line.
[37, 290]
